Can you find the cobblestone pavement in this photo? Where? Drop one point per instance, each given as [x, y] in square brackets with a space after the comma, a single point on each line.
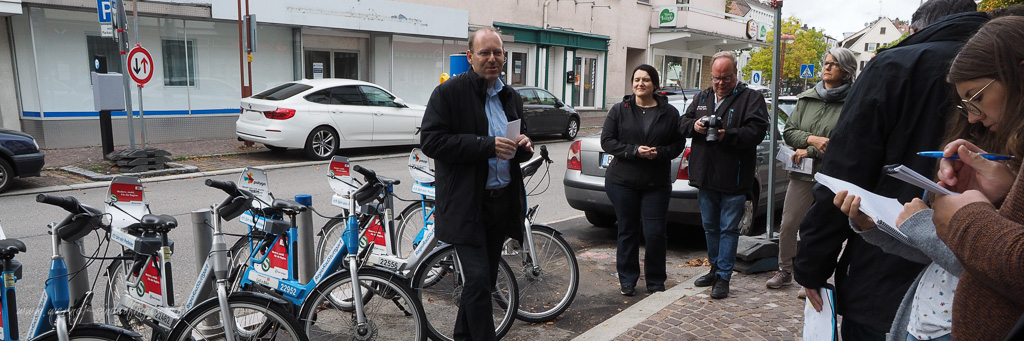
[751, 312]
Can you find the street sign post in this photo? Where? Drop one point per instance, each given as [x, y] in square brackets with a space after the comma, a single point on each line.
[806, 71]
[140, 65]
[755, 77]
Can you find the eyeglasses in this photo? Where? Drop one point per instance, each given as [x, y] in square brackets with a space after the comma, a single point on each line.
[725, 79]
[830, 64]
[489, 53]
[968, 104]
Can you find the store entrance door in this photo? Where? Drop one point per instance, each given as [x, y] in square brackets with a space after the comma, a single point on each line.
[331, 64]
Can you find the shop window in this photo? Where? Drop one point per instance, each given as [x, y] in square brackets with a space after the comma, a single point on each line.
[179, 62]
[104, 47]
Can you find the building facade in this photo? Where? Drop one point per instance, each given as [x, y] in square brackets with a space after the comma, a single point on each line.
[580, 51]
[863, 43]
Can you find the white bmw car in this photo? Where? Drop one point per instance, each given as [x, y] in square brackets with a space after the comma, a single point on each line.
[323, 115]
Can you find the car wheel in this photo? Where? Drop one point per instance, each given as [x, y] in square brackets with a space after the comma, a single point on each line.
[321, 143]
[572, 128]
[275, 148]
[747, 222]
[600, 219]
[6, 175]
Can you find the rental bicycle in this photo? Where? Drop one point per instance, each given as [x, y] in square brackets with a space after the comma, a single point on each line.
[330, 306]
[140, 293]
[547, 270]
[58, 315]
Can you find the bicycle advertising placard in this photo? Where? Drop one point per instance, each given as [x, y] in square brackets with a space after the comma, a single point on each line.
[419, 166]
[340, 179]
[375, 234]
[256, 182]
[148, 289]
[276, 263]
[126, 201]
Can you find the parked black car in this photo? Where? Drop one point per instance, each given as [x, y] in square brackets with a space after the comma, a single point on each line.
[19, 157]
[546, 114]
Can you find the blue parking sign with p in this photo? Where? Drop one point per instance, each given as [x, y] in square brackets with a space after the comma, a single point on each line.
[103, 10]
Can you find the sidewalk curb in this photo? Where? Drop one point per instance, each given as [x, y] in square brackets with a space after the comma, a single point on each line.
[626, 319]
[101, 184]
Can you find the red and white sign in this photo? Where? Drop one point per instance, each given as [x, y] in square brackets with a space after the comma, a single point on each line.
[140, 65]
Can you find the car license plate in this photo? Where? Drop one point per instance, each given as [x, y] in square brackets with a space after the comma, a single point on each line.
[606, 159]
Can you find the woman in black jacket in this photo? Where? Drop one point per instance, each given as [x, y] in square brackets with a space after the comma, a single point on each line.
[640, 132]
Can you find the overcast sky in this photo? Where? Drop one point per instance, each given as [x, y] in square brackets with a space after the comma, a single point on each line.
[838, 16]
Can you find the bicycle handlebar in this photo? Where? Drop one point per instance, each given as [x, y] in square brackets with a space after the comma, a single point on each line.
[226, 186]
[69, 204]
[369, 174]
[544, 153]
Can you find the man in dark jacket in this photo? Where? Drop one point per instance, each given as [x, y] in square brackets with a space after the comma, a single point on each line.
[897, 107]
[480, 194]
[723, 169]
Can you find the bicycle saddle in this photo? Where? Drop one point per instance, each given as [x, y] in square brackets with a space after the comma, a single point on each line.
[288, 206]
[11, 247]
[160, 222]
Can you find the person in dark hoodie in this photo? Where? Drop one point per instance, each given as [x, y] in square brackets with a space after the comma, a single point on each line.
[641, 133]
[723, 159]
[898, 107]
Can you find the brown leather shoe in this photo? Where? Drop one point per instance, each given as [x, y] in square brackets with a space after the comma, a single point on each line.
[782, 278]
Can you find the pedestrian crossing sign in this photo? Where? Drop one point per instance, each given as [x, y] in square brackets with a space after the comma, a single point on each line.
[806, 70]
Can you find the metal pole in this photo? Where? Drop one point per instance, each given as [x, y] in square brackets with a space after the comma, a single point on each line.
[122, 37]
[142, 116]
[78, 283]
[202, 237]
[773, 128]
[304, 224]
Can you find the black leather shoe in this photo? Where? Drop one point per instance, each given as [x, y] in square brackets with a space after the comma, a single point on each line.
[721, 288]
[708, 279]
[627, 290]
[653, 288]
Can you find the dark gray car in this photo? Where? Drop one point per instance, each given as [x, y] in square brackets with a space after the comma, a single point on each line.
[546, 114]
[584, 183]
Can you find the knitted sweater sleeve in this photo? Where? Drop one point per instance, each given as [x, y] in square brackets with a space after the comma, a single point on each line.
[990, 243]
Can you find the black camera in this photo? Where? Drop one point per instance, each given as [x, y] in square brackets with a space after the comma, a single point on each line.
[712, 123]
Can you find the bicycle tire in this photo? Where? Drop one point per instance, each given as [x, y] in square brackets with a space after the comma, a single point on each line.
[93, 332]
[328, 235]
[440, 300]
[277, 322]
[112, 297]
[547, 293]
[392, 314]
[412, 221]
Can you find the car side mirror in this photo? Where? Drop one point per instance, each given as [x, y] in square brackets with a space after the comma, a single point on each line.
[559, 104]
[401, 103]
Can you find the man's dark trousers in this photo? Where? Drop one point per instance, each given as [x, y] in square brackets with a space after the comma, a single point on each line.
[480, 266]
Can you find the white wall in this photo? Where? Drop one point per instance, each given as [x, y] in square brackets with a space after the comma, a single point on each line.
[9, 114]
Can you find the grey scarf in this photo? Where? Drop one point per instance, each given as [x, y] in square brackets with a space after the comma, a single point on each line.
[831, 95]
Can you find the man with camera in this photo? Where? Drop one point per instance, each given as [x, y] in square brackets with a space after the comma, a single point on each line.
[726, 123]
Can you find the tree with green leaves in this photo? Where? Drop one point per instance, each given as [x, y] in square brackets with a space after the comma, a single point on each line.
[809, 47]
[986, 5]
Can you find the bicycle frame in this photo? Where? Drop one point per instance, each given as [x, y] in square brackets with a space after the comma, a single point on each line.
[54, 297]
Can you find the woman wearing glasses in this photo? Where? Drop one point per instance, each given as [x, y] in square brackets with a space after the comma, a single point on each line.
[988, 298]
[985, 232]
[807, 130]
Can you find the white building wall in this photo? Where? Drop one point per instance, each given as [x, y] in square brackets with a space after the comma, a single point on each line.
[9, 113]
[873, 36]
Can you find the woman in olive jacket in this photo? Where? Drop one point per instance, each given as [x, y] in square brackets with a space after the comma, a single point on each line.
[807, 131]
[640, 132]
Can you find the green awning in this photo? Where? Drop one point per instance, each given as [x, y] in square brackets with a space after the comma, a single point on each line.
[552, 37]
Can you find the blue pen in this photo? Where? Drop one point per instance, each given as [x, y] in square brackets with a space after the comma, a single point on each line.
[988, 156]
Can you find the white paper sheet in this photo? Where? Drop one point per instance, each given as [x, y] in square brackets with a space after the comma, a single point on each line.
[879, 208]
[821, 325]
[914, 178]
[785, 155]
[512, 131]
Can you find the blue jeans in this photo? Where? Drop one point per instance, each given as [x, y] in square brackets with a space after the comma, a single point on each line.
[721, 213]
[640, 211]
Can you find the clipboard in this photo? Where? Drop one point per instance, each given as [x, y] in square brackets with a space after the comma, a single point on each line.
[821, 325]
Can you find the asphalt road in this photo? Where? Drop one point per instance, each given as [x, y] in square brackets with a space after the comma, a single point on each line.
[597, 299]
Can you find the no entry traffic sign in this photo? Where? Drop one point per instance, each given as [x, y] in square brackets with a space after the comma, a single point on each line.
[140, 65]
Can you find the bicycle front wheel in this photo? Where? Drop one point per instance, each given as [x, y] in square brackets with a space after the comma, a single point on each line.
[391, 314]
[116, 288]
[256, 318]
[548, 284]
[438, 285]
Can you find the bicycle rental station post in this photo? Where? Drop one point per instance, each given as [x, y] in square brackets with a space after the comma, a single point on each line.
[306, 245]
